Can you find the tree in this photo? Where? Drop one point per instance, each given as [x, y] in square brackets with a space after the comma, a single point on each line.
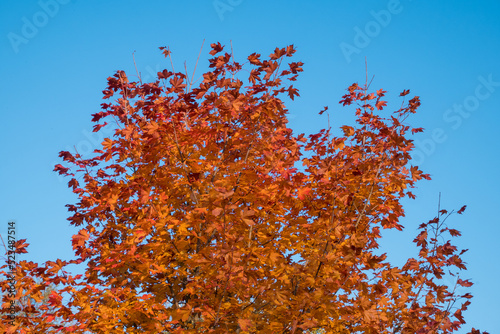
[194, 218]
[38, 300]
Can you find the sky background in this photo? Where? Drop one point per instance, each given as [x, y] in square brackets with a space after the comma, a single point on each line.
[57, 54]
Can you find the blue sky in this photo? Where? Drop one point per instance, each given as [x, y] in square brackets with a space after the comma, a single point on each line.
[57, 54]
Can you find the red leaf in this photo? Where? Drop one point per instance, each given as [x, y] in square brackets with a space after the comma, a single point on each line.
[254, 76]
[73, 183]
[303, 192]
[254, 59]
[292, 91]
[465, 283]
[295, 67]
[193, 177]
[54, 299]
[216, 48]
[370, 96]
[166, 51]
[66, 156]
[290, 50]
[277, 53]
[415, 130]
[462, 209]
[96, 117]
[20, 246]
[380, 105]
[80, 238]
[60, 169]
[348, 130]
[164, 74]
[98, 127]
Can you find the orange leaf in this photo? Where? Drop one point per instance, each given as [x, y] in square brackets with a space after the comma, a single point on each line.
[245, 324]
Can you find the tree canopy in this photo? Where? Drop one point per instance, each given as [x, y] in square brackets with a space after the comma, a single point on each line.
[194, 218]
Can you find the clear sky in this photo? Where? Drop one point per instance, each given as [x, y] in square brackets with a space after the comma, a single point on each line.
[57, 54]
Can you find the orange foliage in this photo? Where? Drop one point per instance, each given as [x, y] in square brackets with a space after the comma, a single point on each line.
[193, 218]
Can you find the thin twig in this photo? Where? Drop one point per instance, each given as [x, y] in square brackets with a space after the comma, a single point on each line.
[135, 65]
[6, 251]
[169, 56]
[370, 81]
[439, 204]
[232, 56]
[194, 71]
[367, 85]
[187, 76]
[232, 53]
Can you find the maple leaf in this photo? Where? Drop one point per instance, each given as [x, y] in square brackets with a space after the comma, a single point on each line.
[97, 127]
[254, 59]
[67, 156]
[254, 76]
[293, 92]
[303, 192]
[216, 48]
[465, 283]
[380, 105]
[73, 183]
[54, 299]
[164, 74]
[177, 83]
[296, 67]
[370, 96]
[278, 53]
[165, 50]
[454, 233]
[290, 50]
[415, 130]
[405, 92]
[348, 130]
[61, 169]
[20, 246]
[80, 238]
[97, 116]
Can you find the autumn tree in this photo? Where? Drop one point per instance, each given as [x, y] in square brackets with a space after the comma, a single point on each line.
[194, 218]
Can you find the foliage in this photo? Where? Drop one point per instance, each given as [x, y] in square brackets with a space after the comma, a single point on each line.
[194, 219]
